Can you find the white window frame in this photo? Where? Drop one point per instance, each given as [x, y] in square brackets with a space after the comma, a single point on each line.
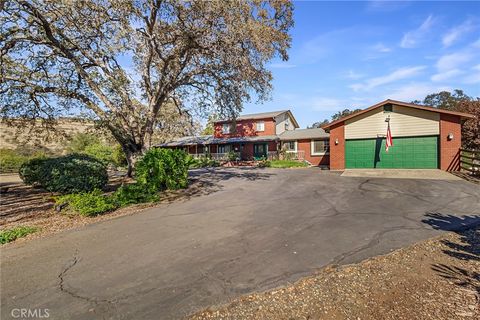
[295, 143]
[312, 144]
[262, 124]
[227, 148]
[226, 128]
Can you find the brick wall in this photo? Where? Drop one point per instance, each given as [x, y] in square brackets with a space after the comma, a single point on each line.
[246, 128]
[450, 149]
[337, 152]
[306, 145]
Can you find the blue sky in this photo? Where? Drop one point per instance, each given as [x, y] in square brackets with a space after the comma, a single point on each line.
[354, 54]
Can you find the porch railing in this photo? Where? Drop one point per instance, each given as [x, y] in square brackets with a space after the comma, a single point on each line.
[294, 155]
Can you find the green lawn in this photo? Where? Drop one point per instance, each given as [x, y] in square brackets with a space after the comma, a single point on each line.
[287, 164]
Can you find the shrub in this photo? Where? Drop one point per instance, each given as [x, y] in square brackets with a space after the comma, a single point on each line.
[87, 203]
[133, 194]
[118, 157]
[232, 156]
[203, 162]
[288, 164]
[81, 141]
[101, 152]
[163, 169]
[10, 235]
[264, 163]
[10, 160]
[66, 174]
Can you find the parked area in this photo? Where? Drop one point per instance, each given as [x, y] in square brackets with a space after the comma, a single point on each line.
[248, 230]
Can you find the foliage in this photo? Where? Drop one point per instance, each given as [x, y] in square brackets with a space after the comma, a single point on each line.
[10, 160]
[118, 157]
[100, 152]
[287, 164]
[232, 156]
[445, 99]
[471, 127]
[82, 141]
[318, 124]
[10, 235]
[210, 126]
[336, 116]
[87, 203]
[66, 174]
[163, 169]
[264, 163]
[203, 162]
[133, 194]
[459, 101]
[209, 53]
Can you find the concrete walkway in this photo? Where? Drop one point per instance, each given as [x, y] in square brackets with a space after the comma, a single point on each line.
[430, 174]
[252, 229]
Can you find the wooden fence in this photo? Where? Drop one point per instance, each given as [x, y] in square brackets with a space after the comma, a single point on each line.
[470, 161]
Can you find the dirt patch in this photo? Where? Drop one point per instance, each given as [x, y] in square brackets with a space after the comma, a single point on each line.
[24, 205]
[434, 279]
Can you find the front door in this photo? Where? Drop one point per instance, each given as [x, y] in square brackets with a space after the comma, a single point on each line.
[260, 151]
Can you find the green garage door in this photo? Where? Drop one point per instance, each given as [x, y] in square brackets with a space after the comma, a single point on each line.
[406, 153]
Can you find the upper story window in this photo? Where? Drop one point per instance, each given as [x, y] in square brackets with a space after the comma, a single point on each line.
[320, 147]
[290, 146]
[260, 126]
[226, 128]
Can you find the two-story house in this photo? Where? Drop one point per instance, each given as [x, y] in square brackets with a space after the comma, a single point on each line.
[260, 135]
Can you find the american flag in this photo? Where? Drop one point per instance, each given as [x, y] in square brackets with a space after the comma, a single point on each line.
[389, 142]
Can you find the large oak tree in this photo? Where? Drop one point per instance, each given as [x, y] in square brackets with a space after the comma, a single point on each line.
[123, 61]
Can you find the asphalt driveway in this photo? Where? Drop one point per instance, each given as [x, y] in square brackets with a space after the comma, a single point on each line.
[251, 229]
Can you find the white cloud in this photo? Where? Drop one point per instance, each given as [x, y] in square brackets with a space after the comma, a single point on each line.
[442, 76]
[453, 60]
[413, 37]
[473, 77]
[282, 65]
[399, 74]
[352, 75]
[414, 91]
[380, 47]
[457, 32]
[326, 104]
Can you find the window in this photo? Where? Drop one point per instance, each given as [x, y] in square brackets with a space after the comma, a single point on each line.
[290, 146]
[224, 148]
[261, 126]
[287, 123]
[320, 147]
[227, 128]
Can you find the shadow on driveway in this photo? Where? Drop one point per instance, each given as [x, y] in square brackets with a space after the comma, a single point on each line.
[468, 250]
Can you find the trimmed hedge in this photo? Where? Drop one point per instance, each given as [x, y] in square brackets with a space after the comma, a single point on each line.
[67, 174]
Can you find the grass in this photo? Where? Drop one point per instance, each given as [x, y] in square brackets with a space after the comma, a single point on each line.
[10, 235]
[287, 164]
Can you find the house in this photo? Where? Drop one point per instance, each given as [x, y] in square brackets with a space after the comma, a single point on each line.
[257, 136]
[423, 138]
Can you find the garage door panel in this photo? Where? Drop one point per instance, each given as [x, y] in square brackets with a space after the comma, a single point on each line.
[407, 153]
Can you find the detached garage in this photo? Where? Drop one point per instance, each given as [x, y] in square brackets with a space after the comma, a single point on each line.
[422, 138]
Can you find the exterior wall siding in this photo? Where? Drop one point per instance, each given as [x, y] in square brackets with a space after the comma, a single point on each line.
[281, 121]
[404, 122]
[450, 149]
[246, 128]
[337, 151]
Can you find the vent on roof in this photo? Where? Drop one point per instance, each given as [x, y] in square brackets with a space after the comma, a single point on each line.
[388, 108]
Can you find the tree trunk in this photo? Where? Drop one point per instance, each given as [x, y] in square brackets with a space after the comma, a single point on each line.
[132, 154]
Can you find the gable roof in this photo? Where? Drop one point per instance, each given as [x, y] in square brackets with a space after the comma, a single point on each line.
[304, 134]
[262, 115]
[402, 104]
